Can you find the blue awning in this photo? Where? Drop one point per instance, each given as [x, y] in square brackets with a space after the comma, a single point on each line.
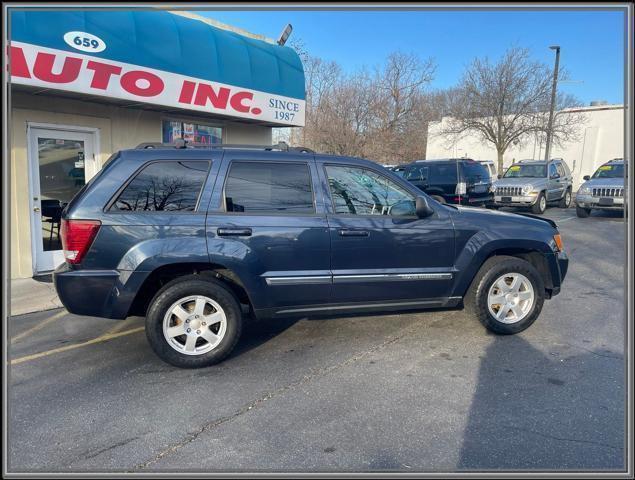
[172, 43]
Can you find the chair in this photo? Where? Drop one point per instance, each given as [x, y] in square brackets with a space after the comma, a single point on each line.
[52, 214]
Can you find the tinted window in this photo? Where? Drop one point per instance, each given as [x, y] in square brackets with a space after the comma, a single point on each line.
[610, 171]
[443, 173]
[526, 171]
[475, 172]
[358, 191]
[164, 186]
[415, 173]
[269, 188]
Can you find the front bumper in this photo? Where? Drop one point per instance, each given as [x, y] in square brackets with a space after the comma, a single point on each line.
[511, 201]
[97, 293]
[589, 201]
[558, 265]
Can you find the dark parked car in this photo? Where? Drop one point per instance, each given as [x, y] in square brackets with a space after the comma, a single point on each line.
[197, 239]
[455, 180]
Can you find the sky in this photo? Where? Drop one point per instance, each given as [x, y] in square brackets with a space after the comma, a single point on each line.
[592, 42]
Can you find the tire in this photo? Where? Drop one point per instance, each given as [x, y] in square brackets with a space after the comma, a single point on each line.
[541, 204]
[438, 198]
[582, 212]
[565, 201]
[219, 307]
[483, 285]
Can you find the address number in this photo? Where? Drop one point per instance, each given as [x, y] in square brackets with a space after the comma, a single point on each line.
[86, 42]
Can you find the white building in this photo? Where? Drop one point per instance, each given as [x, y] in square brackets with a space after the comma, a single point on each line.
[601, 139]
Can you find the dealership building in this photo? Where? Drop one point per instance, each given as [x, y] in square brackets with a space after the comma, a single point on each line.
[85, 84]
[599, 138]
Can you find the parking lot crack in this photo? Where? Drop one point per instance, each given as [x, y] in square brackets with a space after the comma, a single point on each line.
[563, 439]
[268, 396]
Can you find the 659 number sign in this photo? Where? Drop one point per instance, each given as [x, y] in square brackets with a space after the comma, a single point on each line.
[86, 42]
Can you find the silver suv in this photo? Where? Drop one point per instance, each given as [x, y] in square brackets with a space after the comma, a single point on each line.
[604, 190]
[534, 184]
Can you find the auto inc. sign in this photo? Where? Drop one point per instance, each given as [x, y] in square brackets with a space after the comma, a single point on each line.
[78, 72]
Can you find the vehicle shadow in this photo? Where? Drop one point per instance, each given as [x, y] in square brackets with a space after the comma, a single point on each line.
[559, 410]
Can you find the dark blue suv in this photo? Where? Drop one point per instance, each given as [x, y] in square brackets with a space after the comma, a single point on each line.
[196, 239]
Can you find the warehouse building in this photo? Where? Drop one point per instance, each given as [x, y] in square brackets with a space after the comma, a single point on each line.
[85, 84]
[600, 139]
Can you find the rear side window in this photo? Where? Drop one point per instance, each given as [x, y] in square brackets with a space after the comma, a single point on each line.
[415, 173]
[443, 173]
[475, 172]
[259, 187]
[171, 186]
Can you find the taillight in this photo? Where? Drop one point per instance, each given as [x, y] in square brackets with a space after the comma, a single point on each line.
[77, 236]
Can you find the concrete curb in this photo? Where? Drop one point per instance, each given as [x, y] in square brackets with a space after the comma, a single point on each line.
[29, 295]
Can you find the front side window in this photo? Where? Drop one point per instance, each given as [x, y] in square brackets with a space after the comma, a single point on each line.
[358, 191]
[552, 170]
[170, 186]
[269, 188]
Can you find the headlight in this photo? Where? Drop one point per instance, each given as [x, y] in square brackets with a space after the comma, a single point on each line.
[584, 190]
[527, 188]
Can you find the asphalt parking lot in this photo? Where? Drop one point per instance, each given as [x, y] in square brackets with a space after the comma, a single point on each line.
[413, 392]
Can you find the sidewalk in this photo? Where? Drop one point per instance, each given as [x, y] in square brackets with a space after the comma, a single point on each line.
[32, 295]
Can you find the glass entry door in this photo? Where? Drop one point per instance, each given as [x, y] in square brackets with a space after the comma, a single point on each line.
[61, 162]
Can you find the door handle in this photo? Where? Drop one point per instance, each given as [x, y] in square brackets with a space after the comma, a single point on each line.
[234, 232]
[354, 233]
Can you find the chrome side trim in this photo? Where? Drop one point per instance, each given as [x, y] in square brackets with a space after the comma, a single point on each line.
[391, 277]
[317, 279]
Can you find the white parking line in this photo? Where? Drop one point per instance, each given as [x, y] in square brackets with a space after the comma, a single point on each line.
[565, 219]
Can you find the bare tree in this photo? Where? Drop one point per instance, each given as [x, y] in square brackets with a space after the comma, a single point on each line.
[505, 103]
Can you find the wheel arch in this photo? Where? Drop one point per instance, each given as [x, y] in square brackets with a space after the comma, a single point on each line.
[171, 271]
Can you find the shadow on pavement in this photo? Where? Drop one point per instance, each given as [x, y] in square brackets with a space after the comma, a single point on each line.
[537, 419]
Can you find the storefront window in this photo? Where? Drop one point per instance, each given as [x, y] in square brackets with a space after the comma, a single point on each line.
[192, 132]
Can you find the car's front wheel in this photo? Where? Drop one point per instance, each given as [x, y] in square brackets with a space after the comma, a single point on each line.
[565, 201]
[582, 212]
[193, 322]
[506, 295]
[541, 204]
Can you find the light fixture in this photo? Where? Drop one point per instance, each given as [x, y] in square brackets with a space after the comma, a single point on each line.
[285, 34]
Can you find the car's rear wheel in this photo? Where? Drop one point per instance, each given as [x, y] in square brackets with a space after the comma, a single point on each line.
[193, 323]
[582, 212]
[565, 201]
[506, 295]
[541, 204]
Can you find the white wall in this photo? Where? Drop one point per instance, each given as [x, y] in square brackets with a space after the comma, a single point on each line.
[601, 139]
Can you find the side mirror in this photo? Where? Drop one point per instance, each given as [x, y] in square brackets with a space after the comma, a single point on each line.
[587, 177]
[422, 207]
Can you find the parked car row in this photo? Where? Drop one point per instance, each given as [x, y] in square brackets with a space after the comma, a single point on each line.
[529, 184]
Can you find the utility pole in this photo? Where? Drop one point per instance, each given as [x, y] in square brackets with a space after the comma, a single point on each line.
[553, 101]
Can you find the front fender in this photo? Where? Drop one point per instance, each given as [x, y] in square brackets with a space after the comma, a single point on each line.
[480, 247]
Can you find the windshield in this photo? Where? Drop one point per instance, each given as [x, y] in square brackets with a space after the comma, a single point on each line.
[610, 171]
[526, 171]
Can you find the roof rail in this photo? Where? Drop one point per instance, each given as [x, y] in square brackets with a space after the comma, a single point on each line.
[179, 143]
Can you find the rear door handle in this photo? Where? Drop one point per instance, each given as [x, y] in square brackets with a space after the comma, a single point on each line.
[354, 233]
[234, 232]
